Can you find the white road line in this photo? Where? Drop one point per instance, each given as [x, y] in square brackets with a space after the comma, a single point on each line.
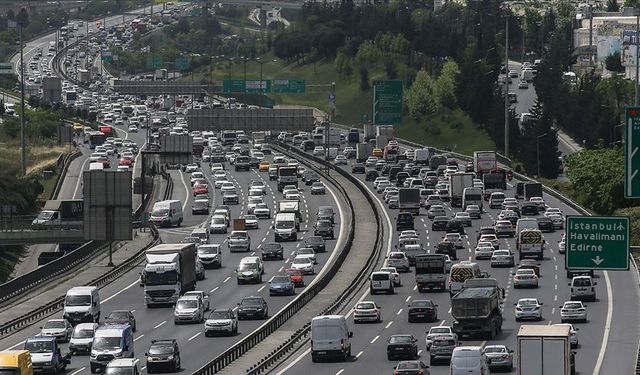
[122, 290]
[84, 164]
[13, 347]
[227, 279]
[280, 269]
[143, 368]
[138, 338]
[399, 312]
[235, 308]
[186, 191]
[607, 326]
[389, 324]
[261, 288]
[160, 324]
[375, 339]
[442, 322]
[553, 310]
[359, 354]
[340, 372]
[81, 369]
[214, 289]
[194, 336]
[408, 298]
[555, 298]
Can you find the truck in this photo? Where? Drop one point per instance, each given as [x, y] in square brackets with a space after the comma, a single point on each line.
[290, 207]
[532, 189]
[409, 200]
[422, 156]
[386, 130]
[332, 138]
[457, 183]
[60, 214]
[198, 145]
[484, 162]
[16, 362]
[353, 137]
[437, 160]
[46, 355]
[530, 244]
[169, 272]
[544, 349]
[430, 271]
[363, 151]
[369, 132]
[471, 195]
[494, 181]
[382, 141]
[287, 175]
[476, 308]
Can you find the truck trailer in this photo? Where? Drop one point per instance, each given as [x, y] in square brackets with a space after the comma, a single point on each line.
[457, 183]
[484, 162]
[476, 308]
[430, 271]
[545, 350]
[409, 200]
[169, 272]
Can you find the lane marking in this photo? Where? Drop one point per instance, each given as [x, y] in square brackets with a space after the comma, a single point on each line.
[194, 336]
[340, 372]
[261, 288]
[359, 354]
[138, 338]
[607, 326]
[214, 289]
[399, 312]
[122, 290]
[375, 339]
[160, 324]
[18, 344]
[81, 369]
[389, 324]
[227, 279]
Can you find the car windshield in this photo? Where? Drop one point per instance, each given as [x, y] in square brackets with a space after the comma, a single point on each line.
[238, 236]
[207, 250]
[160, 212]
[221, 315]
[280, 279]
[494, 349]
[421, 304]
[439, 330]
[408, 365]
[306, 251]
[525, 272]
[118, 315]
[527, 302]
[218, 220]
[54, 324]
[284, 224]
[110, 370]
[366, 306]
[572, 305]
[39, 346]
[82, 333]
[247, 267]
[187, 304]
[78, 300]
[160, 349]
[301, 260]
[251, 302]
[400, 339]
[104, 343]
[396, 256]
[581, 282]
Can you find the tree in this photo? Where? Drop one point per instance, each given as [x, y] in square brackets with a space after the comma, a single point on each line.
[364, 78]
[541, 151]
[612, 6]
[613, 63]
[446, 85]
[2, 109]
[391, 68]
[182, 26]
[421, 97]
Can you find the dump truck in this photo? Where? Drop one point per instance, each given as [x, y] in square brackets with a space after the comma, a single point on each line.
[544, 349]
[60, 214]
[409, 200]
[169, 272]
[457, 183]
[430, 271]
[476, 308]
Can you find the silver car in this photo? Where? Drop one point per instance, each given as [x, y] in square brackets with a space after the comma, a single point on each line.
[502, 258]
[366, 311]
[399, 261]
[501, 357]
[528, 308]
[61, 329]
[573, 311]
[189, 309]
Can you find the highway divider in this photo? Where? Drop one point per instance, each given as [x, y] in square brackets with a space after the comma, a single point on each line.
[66, 161]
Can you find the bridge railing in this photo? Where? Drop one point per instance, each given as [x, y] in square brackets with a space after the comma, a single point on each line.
[16, 223]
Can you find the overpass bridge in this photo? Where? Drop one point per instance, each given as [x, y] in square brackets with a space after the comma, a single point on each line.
[48, 236]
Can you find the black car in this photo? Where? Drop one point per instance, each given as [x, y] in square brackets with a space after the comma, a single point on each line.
[163, 355]
[308, 145]
[272, 250]
[486, 230]
[371, 175]
[316, 243]
[254, 307]
[402, 346]
[326, 213]
[273, 174]
[422, 310]
[545, 224]
[200, 207]
[358, 168]
[439, 223]
[386, 169]
[393, 173]
[410, 368]
[324, 229]
[455, 226]
[311, 178]
[529, 209]
[404, 221]
[400, 178]
[447, 248]
[121, 317]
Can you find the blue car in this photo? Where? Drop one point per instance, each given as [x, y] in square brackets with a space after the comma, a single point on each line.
[282, 285]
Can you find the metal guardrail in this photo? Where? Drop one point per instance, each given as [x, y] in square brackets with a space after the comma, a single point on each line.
[67, 159]
[270, 326]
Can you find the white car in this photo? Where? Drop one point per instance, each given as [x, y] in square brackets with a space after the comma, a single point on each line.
[455, 238]
[552, 211]
[408, 234]
[252, 203]
[382, 185]
[573, 311]
[259, 185]
[439, 331]
[221, 320]
[132, 128]
[525, 277]
[542, 206]
[227, 187]
[190, 168]
[251, 221]
[490, 238]
[293, 195]
[399, 261]
[307, 252]
[394, 272]
[366, 311]
[371, 161]
[262, 211]
[557, 220]
[484, 251]
[304, 264]
[218, 224]
[215, 167]
[528, 308]
[502, 258]
[448, 263]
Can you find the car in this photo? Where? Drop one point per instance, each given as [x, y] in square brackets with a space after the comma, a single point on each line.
[202, 295]
[281, 285]
[264, 166]
[500, 357]
[398, 260]
[573, 332]
[366, 311]
[525, 278]
[435, 210]
[394, 272]
[272, 250]
[340, 160]
[189, 309]
[552, 211]
[296, 276]
[557, 220]
[484, 250]
[439, 223]
[253, 307]
[221, 320]
[304, 264]
[250, 221]
[473, 211]
[371, 175]
[573, 311]
[317, 243]
[227, 186]
[528, 308]
[402, 346]
[530, 264]
[317, 188]
[196, 176]
[439, 331]
[292, 195]
[163, 355]
[413, 367]
[454, 238]
[218, 224]
[260, 209]
[583, 288]
[200, 189]
[545, 224]
[504, 228]
[358, 168]
[318, 151]
[61, 329]
[523, 85]
[539, 201]
[490, 238]
[258, 185]
[394, 202]
[442, 349]
[500, 258]
[200, 207]
[230, 197]
[562, 246]
[121, 317]
[422, 310]
[464, 217]
[323, 228]
[133, 129]
[529, 209]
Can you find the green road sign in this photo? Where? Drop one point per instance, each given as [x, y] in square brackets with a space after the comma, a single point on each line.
[600, 243]
[387, 102]
[285, 86]
[6, 68]
[257, 86]
[631, 154]
[233, 86]
[182, 63]
[154, 62]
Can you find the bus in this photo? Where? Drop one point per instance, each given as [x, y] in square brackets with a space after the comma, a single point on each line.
[95, 139]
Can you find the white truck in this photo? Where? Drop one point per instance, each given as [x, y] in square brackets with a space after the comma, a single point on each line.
[544, 349]
[333, 138]
[530, 244]
[291, 207]
[422, 155]
[60, 214]
[369, 132]
[431, 272]
[169, 272]
[363, 151]
[457, 183]
[484, 162]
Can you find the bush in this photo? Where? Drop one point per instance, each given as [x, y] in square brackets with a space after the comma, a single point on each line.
[634, 217]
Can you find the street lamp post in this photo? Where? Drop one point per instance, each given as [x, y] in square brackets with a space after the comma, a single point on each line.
[22, 20]
[538, 151]
[262, 88]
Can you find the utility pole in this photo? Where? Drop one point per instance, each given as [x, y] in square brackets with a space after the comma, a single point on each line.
[637, 96]
[591, 34]
[22, 21]
[506, 88]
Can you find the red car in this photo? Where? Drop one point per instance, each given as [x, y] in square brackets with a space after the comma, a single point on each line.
[125, 161]
[200, 189]
[106, 163]
[296, 276]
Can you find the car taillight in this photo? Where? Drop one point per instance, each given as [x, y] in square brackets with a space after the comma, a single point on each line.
[419, 372]
[342, 343]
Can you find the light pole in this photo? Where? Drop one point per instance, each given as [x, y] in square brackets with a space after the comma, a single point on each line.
[538, 151]
[261, 83]
[22, 20]
[506, 86]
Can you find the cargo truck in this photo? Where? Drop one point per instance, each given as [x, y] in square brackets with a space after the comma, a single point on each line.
[169, 272]
[484, 162]
[353, 137]
[369, 132]
[458, 182]
[60, 214]
[382, 141]
[409, 200]
[545, 349]
[287, 176]
[422, 155]
[291, 207]
[386, 130]
[16, 362]
[431, 273]
[436, 161]
[332, 138]
[476, 308]
[363, 151]
[532, 189]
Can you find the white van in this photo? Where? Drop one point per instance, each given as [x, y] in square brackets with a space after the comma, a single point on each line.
[111, 341]
[82, 304]
[330, 337]
[460, 273]
[468, 360]
[583, 288]
[96, 166]
[285, 227]
[381, 281]
[496, 199]
[82, 338]
[526, 223]
[167, 213]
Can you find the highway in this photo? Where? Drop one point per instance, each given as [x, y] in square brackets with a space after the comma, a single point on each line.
[220, 284]
[608, 342]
